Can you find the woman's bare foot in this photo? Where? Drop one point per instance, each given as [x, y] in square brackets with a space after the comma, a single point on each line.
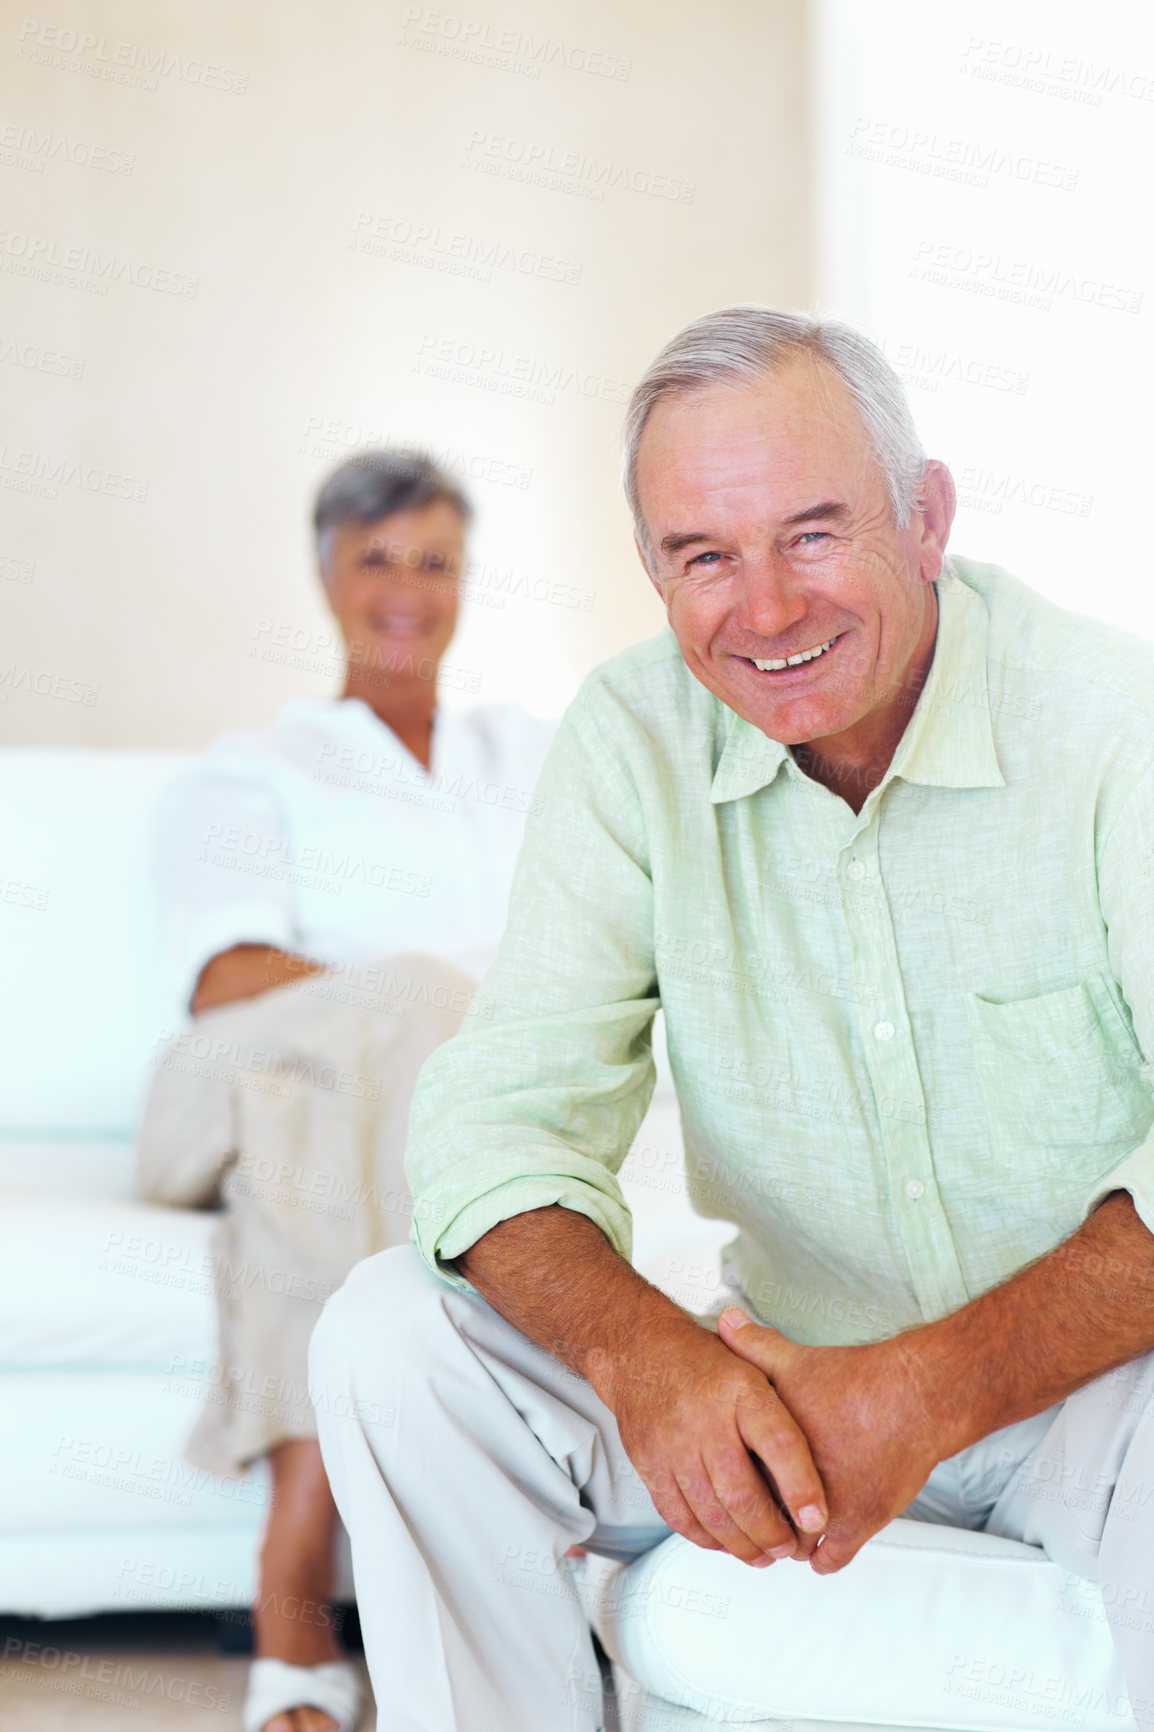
[292, 1618]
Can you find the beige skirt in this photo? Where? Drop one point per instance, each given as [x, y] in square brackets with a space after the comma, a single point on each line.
[290, 1111]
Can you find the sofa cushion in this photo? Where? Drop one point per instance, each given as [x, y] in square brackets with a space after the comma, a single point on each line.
[105, 1450]
[928, 1627]
[72, 1166]
[84, 999]
[89, 1282]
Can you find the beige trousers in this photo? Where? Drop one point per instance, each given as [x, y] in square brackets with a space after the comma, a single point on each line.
[291, 1111]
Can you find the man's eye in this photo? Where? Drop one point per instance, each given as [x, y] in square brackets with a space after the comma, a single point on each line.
[811, 536]
[703, 559]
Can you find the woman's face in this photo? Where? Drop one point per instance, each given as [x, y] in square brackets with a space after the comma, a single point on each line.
[395, 589]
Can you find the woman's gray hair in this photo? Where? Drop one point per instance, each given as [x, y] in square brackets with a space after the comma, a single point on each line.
[748, 343]
[374, 484]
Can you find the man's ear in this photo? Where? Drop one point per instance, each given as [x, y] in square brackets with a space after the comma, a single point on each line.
[937, 504]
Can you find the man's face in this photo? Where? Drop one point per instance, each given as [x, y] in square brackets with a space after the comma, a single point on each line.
[394, 587]
[774, 535]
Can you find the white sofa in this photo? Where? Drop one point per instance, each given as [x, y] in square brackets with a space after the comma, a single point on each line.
[107, 1339]
[106, 1309]
[107, 1324]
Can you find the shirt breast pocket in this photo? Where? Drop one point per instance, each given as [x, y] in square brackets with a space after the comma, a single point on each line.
[1060, 1070]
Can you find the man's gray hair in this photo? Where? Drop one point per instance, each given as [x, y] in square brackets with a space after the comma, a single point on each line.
[746, 344]
[374, 484]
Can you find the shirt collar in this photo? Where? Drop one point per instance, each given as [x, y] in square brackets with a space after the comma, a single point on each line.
[949, 738]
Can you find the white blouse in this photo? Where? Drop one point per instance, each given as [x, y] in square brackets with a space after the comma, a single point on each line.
[326, 837]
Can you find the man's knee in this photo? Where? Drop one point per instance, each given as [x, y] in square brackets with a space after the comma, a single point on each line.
[371, 1327]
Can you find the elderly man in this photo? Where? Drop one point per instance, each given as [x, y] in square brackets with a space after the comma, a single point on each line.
[876, 828]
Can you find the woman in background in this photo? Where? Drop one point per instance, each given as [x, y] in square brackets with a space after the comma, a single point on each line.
[332, 890]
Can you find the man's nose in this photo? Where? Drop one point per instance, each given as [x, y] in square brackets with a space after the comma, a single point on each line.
[769, 603]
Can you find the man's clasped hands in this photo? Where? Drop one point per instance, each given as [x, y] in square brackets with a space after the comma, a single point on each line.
[753, 1444]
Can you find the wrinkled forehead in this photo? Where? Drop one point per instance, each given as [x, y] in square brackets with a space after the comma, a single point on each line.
[776, 439]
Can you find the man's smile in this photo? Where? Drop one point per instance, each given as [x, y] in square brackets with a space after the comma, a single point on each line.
[790, 666]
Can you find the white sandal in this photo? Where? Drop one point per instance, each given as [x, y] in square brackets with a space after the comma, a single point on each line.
[275, 1687]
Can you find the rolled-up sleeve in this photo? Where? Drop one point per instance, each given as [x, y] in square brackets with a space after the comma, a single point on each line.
[221, 838]
[537, 1100]
[1126, 894]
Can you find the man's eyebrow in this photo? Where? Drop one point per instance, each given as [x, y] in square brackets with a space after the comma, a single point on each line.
[674, 543]
[826, 511]
[829, 508]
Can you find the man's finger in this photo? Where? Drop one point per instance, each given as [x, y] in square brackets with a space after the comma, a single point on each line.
[836, 1549]
[755, 1342]
[735, 1503]
[778, 1441]
[775, 1438]
[669, 1502]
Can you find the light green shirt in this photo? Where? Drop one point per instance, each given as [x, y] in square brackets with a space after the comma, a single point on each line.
[908, 1044]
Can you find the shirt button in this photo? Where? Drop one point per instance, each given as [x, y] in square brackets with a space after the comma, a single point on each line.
[855, 869]
[884, 1030]
[915, 1189]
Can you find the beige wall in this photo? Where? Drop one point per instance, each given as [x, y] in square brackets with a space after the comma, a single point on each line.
[326, 226]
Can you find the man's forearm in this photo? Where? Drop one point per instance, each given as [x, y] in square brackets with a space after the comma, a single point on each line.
[723, 1461]
[555, 1276]
[1084, 1308]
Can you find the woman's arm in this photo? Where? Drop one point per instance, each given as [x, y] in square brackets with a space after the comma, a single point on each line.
[245, 971]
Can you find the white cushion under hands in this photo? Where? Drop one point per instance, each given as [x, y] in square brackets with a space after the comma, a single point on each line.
[928, 1627]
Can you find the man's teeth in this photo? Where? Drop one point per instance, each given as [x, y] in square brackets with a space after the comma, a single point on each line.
[793, 661]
